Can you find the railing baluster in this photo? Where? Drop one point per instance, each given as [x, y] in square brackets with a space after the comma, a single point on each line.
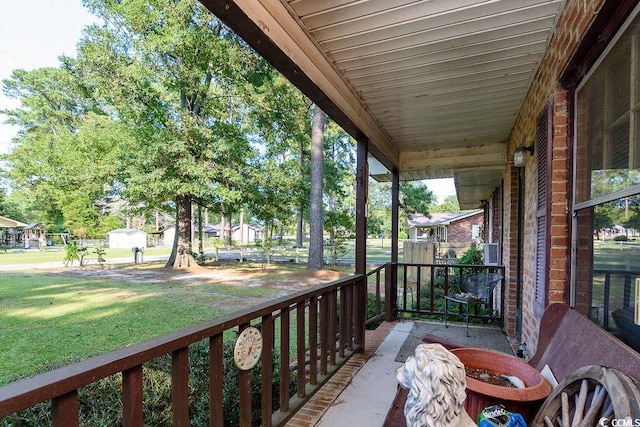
[244, 381]
[349, 317]
[285, 334]
[404, 284]
[324, 333]
[64, 410]
[267, 369]
[180, 386]
[418, 286]
[377, 293]
[607, 293]
[313, 341]
[301, 343]
[333, 326]
[432, 290]
[216, 380]
[132, 414]
[343, 321]
[359, 310]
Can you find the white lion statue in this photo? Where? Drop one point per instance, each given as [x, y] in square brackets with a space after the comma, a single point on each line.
[436, 381]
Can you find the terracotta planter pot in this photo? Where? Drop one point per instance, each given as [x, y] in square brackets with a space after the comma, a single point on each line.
[480, 394]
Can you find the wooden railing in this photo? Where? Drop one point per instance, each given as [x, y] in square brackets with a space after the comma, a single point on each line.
[326, 324]
[419, 289]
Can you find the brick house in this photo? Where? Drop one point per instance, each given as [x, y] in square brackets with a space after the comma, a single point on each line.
[448, 227]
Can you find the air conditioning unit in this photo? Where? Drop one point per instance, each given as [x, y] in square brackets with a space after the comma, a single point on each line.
[491, 254]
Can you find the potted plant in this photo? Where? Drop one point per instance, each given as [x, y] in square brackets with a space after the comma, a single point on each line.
[481, 394]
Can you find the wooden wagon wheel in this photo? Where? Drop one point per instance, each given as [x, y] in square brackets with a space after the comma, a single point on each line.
[589, 395]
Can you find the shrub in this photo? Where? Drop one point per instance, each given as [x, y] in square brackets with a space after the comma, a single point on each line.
[620, 238]
[372, 312]
[438, 295]
[472, 256]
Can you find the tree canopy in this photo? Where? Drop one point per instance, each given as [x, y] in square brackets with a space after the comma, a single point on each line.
[163, 108]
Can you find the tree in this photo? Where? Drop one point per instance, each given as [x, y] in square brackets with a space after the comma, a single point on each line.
[415, 198]
[449, 204]
[64, 152]
[316, 240]
[282, 120]
[179, 79]
[340, 224]
[379, 209]
[603, 217]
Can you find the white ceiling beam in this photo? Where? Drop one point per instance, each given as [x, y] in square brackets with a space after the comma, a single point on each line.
[475, 157]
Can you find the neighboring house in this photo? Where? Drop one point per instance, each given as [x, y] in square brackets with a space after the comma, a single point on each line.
[212, 231]
[11, 231]
[447, 227]
[127, 238]
[34, 236]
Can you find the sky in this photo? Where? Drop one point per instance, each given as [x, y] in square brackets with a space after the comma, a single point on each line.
[34, 33]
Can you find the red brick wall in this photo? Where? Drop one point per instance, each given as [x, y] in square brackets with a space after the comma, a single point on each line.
[460, 231]
[572, 26]
[510, 248]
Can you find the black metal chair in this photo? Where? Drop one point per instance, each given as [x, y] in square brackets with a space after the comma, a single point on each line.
[470, 290]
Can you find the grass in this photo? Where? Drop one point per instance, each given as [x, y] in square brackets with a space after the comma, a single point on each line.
[53, 319]
[377, 250]
[33, 256]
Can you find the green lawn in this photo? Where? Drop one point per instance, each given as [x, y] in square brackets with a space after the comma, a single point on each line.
[53, 319]
[32, 256]
[377, 250]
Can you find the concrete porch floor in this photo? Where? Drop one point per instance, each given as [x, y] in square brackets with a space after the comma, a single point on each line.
[362, 391]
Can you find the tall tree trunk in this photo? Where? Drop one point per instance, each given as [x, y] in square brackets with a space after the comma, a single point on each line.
[316, 248]
[300, 230]
[228, 232]
[242, 236]
[182, 253]
[200, 234]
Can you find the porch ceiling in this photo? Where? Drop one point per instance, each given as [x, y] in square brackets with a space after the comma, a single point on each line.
[435, 85]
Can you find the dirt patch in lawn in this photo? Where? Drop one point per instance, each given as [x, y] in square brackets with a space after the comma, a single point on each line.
[279, 277]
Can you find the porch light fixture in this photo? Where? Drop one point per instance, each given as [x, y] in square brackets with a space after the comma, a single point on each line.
[520, 156]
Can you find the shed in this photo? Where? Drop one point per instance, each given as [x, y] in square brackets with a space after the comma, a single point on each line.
[127, 238]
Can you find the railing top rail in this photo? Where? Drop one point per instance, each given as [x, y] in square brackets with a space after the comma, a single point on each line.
[470, 266]
[24, 393]
[615, 271]
[375, 270]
